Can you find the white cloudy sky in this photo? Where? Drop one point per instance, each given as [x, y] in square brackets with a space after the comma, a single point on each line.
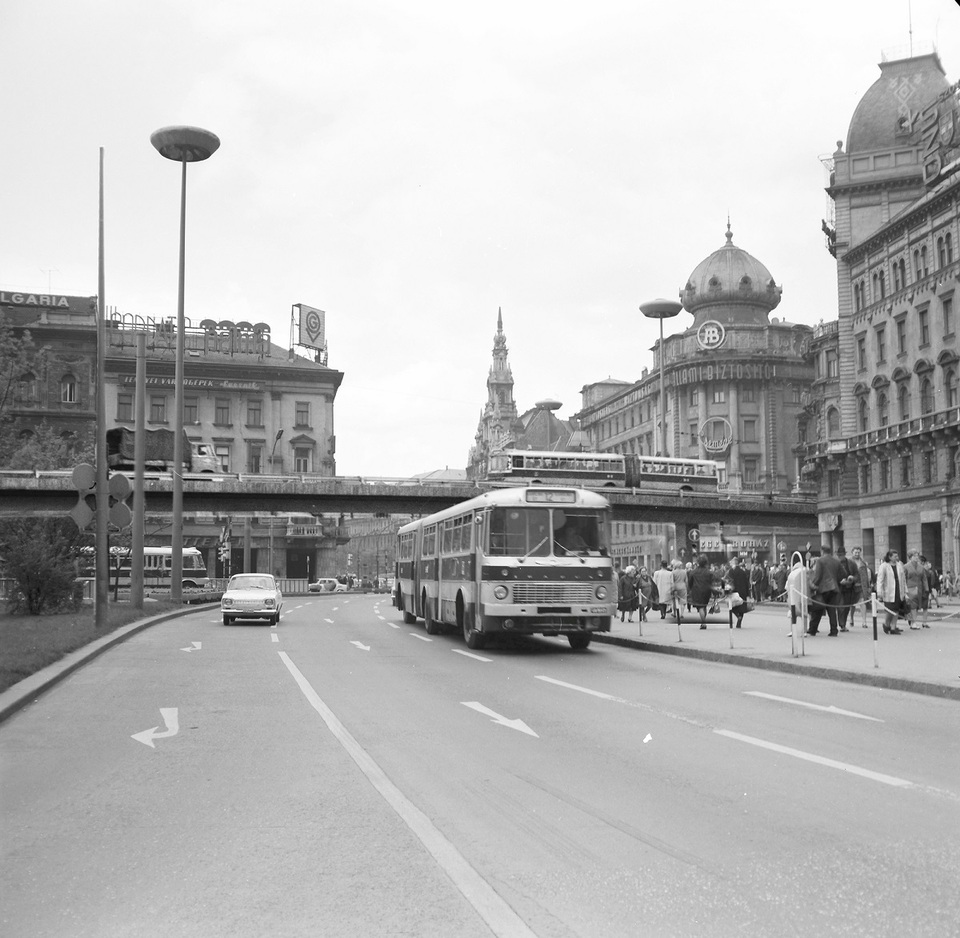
[412, 166]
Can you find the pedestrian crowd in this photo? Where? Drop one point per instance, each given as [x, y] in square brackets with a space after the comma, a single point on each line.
[837, 586]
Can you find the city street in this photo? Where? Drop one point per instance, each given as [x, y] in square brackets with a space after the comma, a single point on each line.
[345, 774]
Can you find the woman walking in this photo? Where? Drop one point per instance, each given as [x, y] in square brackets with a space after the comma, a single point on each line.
[647, 591]
[627, 602]
[891, 590]
[700, 588]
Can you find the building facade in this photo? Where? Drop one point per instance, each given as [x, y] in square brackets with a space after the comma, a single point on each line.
[263, 409]
[736, 382]
[884, 423]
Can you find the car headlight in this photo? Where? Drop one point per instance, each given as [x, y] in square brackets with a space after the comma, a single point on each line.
[226, 602]
[601, 592]
[271, 603]
[500, 592]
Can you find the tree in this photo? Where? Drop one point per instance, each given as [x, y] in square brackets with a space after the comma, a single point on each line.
[39, 554]
[46, 449]
[19, 358]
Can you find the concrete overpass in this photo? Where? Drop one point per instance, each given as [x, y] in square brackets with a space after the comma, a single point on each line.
[53, 493]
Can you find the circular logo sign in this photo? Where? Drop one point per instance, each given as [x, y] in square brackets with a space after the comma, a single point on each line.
[710, 335]
[716, 434]
[693, 535]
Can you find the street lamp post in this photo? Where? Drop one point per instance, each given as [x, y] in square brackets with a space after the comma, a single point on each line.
[661, 309]
[184, 145]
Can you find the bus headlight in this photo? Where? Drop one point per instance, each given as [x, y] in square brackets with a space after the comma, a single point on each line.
[601, 592]
[500, 592]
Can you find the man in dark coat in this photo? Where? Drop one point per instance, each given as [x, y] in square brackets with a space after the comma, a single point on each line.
[825, 586]
[849, 583]
[739, 582]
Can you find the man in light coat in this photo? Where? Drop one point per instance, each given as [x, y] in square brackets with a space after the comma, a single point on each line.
[663, 580]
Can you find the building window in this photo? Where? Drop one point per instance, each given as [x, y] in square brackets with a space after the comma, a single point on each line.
[749, 430]
[863, 415]
[796, 395]
[254, 412]
[255, 458]
[941, 254]
[750, 471]
[221, 411]
[301, 459]
[693, 434]
[719, 396]
[833, 364]
[833, 423]
[903, 400]
[924, 267]
[749, 395]
[946, 305]
[901, 336]
[833, 482]
[158, 409]
[191, 410]
[929, 466]
[950, 380]
[694, 396]
[28, 388]
[906, 473]
[926, 396]
[881, 344]
[952, 452]
[861, 352]
[924, 319]
[68, 389]
[884, 474]
[865, 479]
[857, 297]
[223, 454]
[883, 284]
[302, 414]
[883, 409]
[917, 269]
[125, 407]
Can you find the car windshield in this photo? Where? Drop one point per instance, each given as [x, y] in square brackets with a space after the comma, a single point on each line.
[251, 583]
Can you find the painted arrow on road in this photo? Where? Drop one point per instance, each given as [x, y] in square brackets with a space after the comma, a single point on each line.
[170, 720]
[194, 646]
[499, 718]
[361, 646]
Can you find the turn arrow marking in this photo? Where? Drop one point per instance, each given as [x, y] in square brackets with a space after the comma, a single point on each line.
[361, 646]
[170, 720]
[194, 646]
[499, 718]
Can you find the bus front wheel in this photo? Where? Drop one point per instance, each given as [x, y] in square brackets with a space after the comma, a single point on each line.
[579, 640]
[474, 638]
[429, 623]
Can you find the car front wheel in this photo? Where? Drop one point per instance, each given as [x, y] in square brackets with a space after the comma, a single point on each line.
[226, 620]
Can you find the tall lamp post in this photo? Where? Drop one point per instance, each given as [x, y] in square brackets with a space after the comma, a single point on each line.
[661, 309]
[184, 145]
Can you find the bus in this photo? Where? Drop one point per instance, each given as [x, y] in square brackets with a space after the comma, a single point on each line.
[603, 470]
[156, 567]
[512, 561]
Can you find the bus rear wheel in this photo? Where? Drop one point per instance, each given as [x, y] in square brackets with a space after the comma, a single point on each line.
[579, 640]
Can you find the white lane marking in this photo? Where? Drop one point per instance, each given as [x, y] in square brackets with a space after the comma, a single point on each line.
[583, 690]
[819, 760]
[274, 637]
[194, 646]
[423, 638]
[170, 720]
[361, 646]
[393, 625]
[501, 919]
[499, 717]
[469, 654]
[329, 620]
[812, 706]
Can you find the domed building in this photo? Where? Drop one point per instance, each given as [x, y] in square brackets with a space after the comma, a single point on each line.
[884, 437]
[737, 381]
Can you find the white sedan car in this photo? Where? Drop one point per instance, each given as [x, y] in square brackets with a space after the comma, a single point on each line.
[251, 596]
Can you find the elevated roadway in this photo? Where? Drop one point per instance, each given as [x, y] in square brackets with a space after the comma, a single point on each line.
[53, 493]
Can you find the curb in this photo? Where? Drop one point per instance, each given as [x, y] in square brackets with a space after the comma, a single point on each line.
[18, 695]
[766, 664]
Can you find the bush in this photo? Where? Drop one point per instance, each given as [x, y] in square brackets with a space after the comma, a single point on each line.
[38, 554]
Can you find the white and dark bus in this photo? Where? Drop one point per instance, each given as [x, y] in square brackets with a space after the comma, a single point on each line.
[513, 561]
[157, 562]
[603, 470]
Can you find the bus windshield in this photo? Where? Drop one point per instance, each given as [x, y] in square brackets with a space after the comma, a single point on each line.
[542, 532]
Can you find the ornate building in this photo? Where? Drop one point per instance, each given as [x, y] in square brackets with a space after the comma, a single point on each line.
[502, 426]
[883, 443]
[262, 408]
[736, 383]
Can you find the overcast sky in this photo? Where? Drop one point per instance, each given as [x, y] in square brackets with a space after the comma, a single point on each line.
[410, 167]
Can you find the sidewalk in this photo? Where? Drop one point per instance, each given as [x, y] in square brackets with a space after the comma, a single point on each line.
[924, 662]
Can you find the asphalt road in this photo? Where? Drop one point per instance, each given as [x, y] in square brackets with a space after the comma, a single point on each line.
[346, 774]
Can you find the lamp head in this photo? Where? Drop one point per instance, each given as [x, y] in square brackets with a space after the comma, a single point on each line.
[185, 144]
